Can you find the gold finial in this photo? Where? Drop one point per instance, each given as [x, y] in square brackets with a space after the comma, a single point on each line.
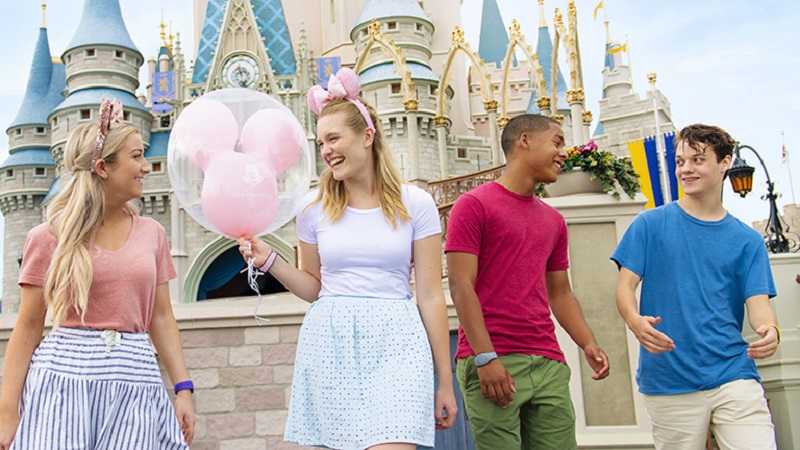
[374, 27]
[514, 29]
[651, 77]
[457, 35]
[608, 33]
[44, 6]
[171, 37]
[163, 27]
[542, 22]
[572, 11]
[558, 23]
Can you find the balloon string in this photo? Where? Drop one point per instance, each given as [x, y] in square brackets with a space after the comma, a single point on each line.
[252, 280]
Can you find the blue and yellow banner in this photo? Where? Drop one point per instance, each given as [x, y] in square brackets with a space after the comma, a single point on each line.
[644, 156]
[163, 89]
[327, 67]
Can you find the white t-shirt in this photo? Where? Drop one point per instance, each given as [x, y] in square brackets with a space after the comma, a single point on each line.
[361, 255]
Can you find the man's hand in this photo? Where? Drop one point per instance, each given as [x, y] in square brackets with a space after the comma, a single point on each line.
[766, 346]
[651, 339]
[597, 360]
[496, 383]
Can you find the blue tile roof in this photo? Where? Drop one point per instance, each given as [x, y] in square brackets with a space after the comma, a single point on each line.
[29, 157]
[93, 97]
[383, 9]
[383, 72]
[599, 130]
[45, 83]
[544, 51]
[493, 38]
[101, 23]
[272, 25]
[158, 145]
[54, 189]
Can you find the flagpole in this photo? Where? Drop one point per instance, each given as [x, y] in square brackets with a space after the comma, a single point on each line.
[788, 166]
[662, 153]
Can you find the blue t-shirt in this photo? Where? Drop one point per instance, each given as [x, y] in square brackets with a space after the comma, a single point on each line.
[696, 276]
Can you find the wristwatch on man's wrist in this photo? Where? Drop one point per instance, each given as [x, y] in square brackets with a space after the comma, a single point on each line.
[485, 358]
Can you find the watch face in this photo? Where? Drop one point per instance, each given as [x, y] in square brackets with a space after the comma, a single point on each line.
[240, 71]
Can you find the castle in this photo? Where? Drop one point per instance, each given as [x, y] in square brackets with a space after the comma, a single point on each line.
[404, 53]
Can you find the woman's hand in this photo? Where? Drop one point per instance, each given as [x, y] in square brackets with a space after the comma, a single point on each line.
[445, 400]
[184, 409]
[256, 249]
[9, 422]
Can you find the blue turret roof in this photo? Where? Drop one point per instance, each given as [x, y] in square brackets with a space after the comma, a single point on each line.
[46, 81]
[93, 97]
[600, 129]
[101, 23]
[493, 39]
[158, 145]
[54, 188]
[271, 24]
[384, 72]
[384, 9]
[544, 51]
[29, 157]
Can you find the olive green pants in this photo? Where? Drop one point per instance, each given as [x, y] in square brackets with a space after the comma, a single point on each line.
[541, 417]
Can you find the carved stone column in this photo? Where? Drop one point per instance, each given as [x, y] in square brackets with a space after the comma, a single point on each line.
[440, 122]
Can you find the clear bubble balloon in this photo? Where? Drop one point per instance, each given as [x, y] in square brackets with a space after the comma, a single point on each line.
[239, 162]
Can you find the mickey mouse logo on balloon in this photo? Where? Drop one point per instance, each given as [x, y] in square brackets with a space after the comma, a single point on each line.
[249, 157]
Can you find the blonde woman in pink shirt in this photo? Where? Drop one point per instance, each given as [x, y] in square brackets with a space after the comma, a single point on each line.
[101, 271]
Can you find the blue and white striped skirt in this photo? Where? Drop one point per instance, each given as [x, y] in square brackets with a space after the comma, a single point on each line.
[88, 389]
[363, 375]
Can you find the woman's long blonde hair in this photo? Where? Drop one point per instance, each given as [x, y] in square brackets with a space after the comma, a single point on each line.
[74, 216]
[388, 181]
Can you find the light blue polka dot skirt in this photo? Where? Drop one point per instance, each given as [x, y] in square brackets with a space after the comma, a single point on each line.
[363, 376]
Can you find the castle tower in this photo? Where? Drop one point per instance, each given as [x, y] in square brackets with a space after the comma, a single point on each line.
[544, 50]
[406, 24]
[101, 61]
[28, 172]
[623, 115]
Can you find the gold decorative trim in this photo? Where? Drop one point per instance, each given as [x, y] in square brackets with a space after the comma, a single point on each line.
[575, 95]
[490, 105]
[558, 118]
[458, 35]
[411, 105]
[543, 102]
[587, 117]
[440, 121]
[502, 121]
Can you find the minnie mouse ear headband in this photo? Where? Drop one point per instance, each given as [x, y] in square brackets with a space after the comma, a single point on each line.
[343, 85]
[110, 115]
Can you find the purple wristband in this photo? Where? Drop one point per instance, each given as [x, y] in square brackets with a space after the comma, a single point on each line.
[183, 385]
[273, 255]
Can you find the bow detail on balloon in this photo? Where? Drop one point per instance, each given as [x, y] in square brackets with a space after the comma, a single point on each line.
[343, 85]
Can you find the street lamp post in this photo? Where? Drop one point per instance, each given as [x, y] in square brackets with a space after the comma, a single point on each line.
[741, 176]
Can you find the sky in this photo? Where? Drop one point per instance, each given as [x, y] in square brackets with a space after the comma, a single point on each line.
[729, 63]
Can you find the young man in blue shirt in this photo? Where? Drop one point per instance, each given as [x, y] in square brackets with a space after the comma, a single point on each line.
[700, 268]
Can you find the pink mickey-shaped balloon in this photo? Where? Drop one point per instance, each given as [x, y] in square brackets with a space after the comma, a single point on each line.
[240, 194]
[206, 127]
[275, 135]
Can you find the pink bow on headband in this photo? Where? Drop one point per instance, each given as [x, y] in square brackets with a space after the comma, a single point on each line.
[110, 115]
[343, 85]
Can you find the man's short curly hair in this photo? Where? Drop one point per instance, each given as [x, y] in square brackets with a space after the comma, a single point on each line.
[715, 137]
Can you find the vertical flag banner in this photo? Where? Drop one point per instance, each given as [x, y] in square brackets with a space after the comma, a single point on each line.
[163, 89]
[327, 67]
[644, 157]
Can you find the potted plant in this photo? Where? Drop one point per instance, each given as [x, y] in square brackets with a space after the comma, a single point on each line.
[613, 173]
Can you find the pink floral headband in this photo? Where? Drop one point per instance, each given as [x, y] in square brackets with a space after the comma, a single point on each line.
[110, 115]
[343, 85]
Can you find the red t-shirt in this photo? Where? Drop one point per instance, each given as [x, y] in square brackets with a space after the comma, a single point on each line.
[517, 239]
[123, 289]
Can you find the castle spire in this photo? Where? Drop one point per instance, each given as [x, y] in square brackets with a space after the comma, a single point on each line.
[35, 108]
[44, 24]
[101, 23]
[493, 38]
[542, 21]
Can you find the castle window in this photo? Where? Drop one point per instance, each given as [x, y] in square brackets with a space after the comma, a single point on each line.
[55, 122]
[126, 116]
[85, 114]
[391, 26]
[165, 121]
[39, 130]
[396, 88]
[119, 54]
[69, 59]
[461, 153]
[157, 167]
[39, 171]
[18, 132]
[9, 173]
[90, 53]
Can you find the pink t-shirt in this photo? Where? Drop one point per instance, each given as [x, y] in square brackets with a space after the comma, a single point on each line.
[517, 239]
[123, 288]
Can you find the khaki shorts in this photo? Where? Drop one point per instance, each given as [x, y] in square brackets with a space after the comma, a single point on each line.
[542, 415]
[737, 412]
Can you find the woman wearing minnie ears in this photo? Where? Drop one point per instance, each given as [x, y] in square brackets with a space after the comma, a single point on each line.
[366, 354]
[101, 271]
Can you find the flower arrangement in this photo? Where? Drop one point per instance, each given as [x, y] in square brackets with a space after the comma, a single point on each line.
[613, 173]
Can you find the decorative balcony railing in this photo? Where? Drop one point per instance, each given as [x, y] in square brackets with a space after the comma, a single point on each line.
[447, 190]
